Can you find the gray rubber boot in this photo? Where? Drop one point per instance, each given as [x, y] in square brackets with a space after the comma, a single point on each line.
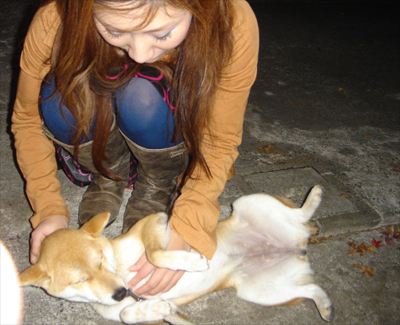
[156, 185]
[103, 193]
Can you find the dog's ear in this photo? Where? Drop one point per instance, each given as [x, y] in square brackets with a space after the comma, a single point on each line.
[33, 275]
[96, 224]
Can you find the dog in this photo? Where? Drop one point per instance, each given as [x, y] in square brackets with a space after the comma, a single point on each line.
[261, 252]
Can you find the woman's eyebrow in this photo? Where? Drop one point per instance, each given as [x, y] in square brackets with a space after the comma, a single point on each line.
[161, 28]
[155, 30]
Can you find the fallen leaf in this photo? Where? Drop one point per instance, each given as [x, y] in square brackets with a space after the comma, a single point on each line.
[359, 266]
[362, 248]
[368, 135]
[388, 230]
[376, 243]
[316, 240]
[266, 149]
[368, 271]
[395, 169]
[352, 245]
[351, 251]
[396, 235]
[344, 195]
[389, 241]
[341, 89]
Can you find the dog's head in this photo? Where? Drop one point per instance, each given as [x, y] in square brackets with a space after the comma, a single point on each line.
[78, 265]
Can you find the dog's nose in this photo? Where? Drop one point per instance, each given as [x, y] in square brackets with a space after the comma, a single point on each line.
[119, 294]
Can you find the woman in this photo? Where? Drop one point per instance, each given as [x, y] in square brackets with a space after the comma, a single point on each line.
[165, 80]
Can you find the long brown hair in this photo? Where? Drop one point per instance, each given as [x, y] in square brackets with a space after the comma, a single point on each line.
[81, 60]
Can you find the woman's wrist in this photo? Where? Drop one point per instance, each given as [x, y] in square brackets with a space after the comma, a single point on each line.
[56, 221]
[177, 243]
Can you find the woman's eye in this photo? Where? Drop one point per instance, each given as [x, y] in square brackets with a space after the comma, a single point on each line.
[114, 35]
[163, 38]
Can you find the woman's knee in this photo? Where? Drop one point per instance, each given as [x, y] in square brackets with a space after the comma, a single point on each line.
[58, 119]
[144, 114]
[56, 116]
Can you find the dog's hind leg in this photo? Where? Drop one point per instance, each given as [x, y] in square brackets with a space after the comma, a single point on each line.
[281, 295]
[321, 299]
[280, 281]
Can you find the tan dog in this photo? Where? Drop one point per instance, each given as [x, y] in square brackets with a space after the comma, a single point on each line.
[261, 253]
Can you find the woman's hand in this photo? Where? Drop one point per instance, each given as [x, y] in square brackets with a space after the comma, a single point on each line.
[45, 228]
[162, 279]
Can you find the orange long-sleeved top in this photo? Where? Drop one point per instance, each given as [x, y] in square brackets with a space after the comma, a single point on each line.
[196, 211]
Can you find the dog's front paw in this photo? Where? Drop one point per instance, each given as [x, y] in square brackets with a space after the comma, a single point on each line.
[180, 260]
[197, 262]
[146, 311]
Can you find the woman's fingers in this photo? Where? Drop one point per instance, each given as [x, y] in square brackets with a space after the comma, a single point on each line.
[35, 244]
[138, 265]
[177, 276]
[44, 228]
[162, 279]
[141, 274]
[37, 237]
[159, 281]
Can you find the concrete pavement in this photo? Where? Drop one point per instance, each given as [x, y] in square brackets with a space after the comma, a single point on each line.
[325, 109]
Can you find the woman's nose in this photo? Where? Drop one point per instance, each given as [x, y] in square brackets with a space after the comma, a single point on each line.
[139, 50]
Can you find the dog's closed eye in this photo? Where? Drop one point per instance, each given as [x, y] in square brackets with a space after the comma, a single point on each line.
[80, 280]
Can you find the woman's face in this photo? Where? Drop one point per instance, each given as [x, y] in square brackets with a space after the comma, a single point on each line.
[164, 33]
